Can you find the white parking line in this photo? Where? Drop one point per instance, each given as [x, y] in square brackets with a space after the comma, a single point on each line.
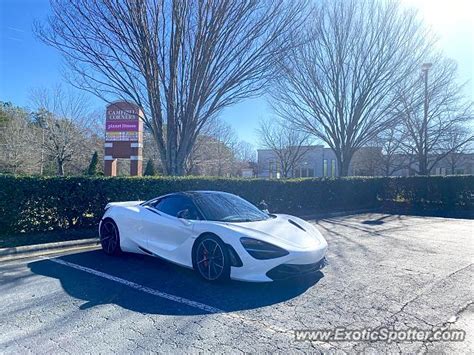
[204, 307]
[188, 302]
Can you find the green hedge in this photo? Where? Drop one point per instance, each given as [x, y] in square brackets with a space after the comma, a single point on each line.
[39, 204]
[430, 193]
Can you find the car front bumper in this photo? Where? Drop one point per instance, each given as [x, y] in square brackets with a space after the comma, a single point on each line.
[297, 262]
[286, 271]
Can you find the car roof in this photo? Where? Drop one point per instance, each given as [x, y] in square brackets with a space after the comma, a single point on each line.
[191, 194]
[198, 192]
[194, 193]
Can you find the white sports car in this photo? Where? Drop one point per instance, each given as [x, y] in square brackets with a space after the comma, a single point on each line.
[218, 234]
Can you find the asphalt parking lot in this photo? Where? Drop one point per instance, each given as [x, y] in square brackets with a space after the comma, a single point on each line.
[385, 271]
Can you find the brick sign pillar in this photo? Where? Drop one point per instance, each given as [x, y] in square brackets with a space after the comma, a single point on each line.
[123, 137]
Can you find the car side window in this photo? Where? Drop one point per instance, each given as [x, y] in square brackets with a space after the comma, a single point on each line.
[173, 204]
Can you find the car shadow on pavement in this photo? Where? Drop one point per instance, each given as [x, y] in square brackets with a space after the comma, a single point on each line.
[377, 221]
[165, 278]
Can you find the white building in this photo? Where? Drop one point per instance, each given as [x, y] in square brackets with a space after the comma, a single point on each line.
[319, 161]
[316, 162]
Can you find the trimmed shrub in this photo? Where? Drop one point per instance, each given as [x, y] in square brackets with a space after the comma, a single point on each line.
[93, 165]
[421, 193]
[30, 203]
[150, 168]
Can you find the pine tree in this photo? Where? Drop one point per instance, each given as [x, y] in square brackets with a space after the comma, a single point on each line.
[150, 168]
[92, 169]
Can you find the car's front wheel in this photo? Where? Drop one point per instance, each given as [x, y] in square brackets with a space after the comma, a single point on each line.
[109, 237]
[211, 259]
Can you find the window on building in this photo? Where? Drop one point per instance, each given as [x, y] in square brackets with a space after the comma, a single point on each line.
[333, 167]
[440, 171]
[303, 172]
[459, 171]
[272, 170]
[325, 167]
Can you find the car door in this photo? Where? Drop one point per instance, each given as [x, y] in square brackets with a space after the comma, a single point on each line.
[166, 233]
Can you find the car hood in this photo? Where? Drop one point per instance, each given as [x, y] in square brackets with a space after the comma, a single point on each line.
[283, 230]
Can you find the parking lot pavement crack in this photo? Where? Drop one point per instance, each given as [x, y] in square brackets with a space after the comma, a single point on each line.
[259, 322]
[400, 316]
[457, 271]
[420, 319]
[59, 345]
[458, 313]
[449, 322]
[428, 289]
[137, 345]
[132, 327]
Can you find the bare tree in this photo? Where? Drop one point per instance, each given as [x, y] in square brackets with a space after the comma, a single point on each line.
[182, 62]
[244, 158]
[218, 151]
[67, 125]
[392, 158]
[222, 146]
[19, 153]
[287, 143]
[432, 109]
[198, 152]
[245, 152]
[213, 153]
[339, 86]
[367, 161]
[458, 144]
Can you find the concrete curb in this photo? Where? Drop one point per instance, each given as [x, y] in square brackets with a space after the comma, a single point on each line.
[28, 251]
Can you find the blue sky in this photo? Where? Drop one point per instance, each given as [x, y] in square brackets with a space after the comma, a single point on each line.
[26, 63]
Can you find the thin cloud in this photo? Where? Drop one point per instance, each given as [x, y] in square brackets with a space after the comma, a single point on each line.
[14, 39]
[16, 29]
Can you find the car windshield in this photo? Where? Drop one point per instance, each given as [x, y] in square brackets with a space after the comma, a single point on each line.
[225, 207]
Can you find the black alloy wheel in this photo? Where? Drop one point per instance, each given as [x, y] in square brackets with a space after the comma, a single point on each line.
[109, 237]
[211, 259]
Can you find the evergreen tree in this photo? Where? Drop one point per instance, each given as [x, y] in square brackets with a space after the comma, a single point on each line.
[92, 169]
[150, 168]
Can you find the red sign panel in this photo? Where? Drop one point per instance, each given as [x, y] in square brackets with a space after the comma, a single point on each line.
[125, 125]
[122, 122]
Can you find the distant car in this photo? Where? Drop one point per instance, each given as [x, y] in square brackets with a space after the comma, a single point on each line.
[218, 234]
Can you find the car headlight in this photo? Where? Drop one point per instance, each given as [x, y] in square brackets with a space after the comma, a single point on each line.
[262, 250]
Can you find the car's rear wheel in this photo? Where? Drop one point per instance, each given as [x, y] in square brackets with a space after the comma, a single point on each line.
[110, 237]
[211, 260]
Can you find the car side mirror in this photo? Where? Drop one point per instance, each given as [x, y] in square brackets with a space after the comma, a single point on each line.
[183, 214]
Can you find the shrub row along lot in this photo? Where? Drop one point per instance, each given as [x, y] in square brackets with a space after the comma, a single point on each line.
[385, 270]
[39, 204]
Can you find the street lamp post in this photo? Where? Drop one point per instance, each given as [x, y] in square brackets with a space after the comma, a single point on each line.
[42, 152]
[424, 169]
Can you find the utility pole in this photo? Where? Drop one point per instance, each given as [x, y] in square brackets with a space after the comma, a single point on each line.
[424, 169]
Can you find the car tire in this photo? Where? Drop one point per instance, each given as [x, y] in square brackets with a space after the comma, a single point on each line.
[109, 237]
[211, 259]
